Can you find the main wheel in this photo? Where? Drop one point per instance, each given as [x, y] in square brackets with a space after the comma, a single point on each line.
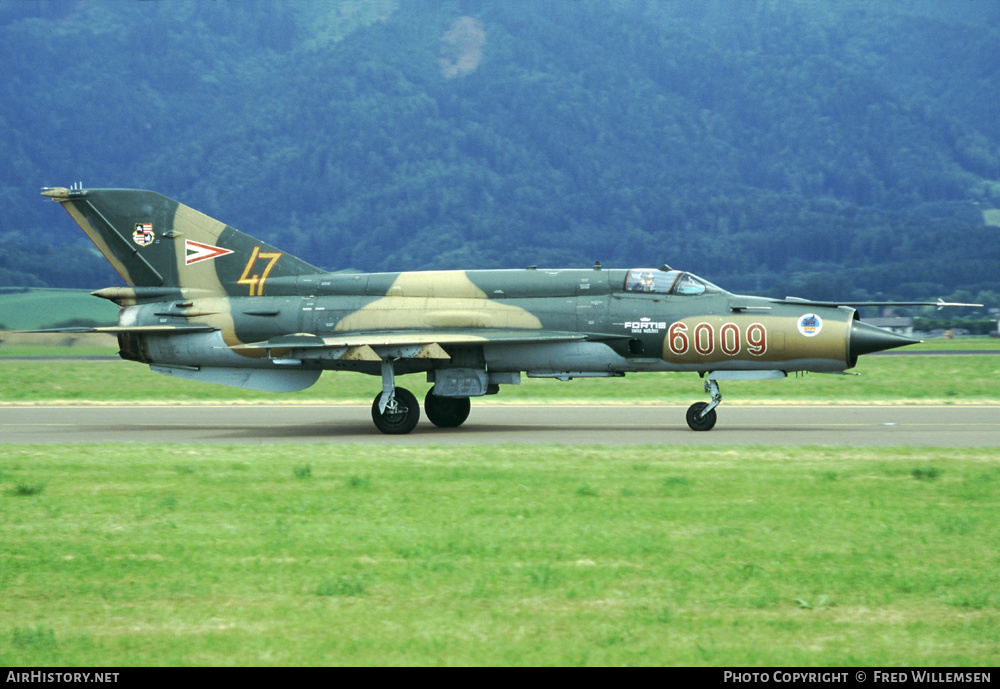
[705, 423]
[399, 418]
[446, 412]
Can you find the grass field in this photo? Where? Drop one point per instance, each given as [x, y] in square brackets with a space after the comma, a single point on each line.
[43, 308]
[188, 555]
[570, 555]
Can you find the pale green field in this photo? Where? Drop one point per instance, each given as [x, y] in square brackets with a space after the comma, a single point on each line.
[42, 308]
[331, 555]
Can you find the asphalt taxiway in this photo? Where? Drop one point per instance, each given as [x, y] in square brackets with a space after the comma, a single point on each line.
[509, 423]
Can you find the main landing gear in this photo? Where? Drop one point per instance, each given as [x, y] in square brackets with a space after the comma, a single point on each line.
[401, 414]
[395, 411]
[446, 412]
[701, 415]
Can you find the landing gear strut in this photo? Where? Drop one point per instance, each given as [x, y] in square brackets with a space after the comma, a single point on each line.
[395, 411]
[700, 415]
[400, 415]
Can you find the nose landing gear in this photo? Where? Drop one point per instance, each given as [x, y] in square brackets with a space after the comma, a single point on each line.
[701, 416]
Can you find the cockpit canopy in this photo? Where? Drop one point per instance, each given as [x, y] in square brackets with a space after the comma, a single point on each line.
[674, 282]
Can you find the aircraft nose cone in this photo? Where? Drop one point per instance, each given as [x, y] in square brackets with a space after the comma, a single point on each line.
[866, 339]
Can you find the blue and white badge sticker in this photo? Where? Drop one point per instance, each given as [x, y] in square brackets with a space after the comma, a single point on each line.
[810, 325]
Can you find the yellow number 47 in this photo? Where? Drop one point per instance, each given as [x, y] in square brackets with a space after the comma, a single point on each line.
[254, 280]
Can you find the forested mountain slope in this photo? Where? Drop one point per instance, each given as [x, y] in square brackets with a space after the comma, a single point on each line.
[826, 150]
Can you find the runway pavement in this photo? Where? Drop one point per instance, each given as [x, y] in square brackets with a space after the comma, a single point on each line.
[941, 426]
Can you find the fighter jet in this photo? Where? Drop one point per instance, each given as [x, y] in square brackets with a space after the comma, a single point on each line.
[207, 302]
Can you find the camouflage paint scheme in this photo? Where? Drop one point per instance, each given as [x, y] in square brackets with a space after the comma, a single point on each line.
[207, 302]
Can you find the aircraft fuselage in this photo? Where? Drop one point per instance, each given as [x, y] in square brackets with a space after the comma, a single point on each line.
[620, 331]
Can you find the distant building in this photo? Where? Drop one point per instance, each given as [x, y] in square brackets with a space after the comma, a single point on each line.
[901, 325]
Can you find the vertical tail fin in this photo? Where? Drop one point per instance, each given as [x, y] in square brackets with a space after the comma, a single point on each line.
[154, 241]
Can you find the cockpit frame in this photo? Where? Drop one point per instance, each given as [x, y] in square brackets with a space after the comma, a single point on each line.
[666, 282]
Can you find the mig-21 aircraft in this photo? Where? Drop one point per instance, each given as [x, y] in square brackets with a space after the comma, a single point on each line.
[207, 302]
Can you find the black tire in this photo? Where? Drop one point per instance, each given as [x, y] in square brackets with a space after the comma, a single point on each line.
[400, 421]
[706, 423]
[446, 412]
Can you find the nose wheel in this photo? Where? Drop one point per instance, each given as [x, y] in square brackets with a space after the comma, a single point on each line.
[701, 416]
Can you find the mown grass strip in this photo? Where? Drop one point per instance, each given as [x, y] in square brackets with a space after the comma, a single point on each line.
[306, 554]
